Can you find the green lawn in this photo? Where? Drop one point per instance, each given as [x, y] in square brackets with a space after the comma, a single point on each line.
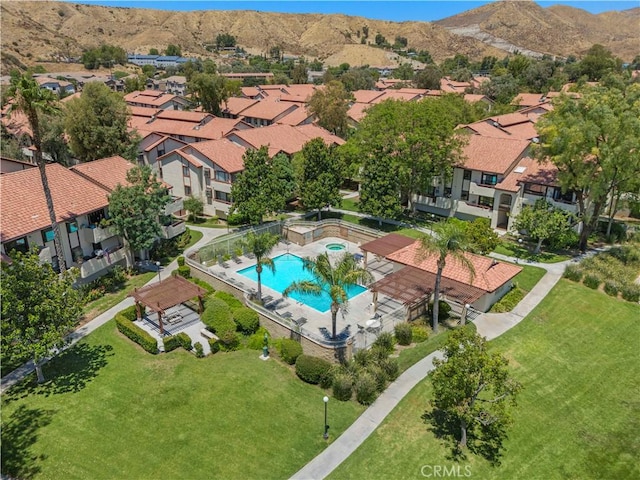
[207, 222]
[524, 252]
[577, 417]
[113, 411]
[350, 204]
[529, 277]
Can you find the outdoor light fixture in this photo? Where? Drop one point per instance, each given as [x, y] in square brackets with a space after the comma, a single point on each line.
[326, 427]
[158, 265]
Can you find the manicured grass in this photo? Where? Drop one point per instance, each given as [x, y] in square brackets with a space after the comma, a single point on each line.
[207, 222]
[112, 411]
[104, 303]
[350, 204]
[195, 237]
[529, 277]
[512, 249]
[577, 417]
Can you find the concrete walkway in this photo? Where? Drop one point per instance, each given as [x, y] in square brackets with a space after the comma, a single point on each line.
[489, 325]
[20, 373]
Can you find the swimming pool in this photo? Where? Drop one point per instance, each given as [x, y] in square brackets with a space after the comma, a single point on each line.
[289, 269]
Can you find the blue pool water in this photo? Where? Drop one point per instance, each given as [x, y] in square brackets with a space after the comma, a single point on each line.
[289, 269]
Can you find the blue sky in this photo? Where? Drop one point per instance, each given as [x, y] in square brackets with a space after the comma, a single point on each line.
[401, 10]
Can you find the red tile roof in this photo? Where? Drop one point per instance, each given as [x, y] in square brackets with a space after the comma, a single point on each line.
[222, 152]
[250, 91]
[235, 105]
[366, 96]
[395, 95]
[357, 111]
[24, 208]
[296, 117]
[510, 119]
[146, 112]
[106, 172]
[490, 154]
[184, 116]
[529, 170]
[489, 274]
[267, 109]
[528, 99]
[285, 138]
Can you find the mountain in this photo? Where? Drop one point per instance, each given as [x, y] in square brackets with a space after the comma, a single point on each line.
[556, 30]
[42, 31]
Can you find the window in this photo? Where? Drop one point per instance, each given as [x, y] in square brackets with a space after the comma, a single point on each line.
[489, 179]
[485, 201]
[533, 189]
[430, 191]
[447, 192]
[181, 137]
[47, 235]
[187, 190]
[160, 152]
[207, 176]
[19, 245]
[95, 217]
[160, 172]
[72, 227]
[466, 175]
[558, 196]
[223, 196]
[464, 195]
[222, 176]
[209, 196]
[185, 170]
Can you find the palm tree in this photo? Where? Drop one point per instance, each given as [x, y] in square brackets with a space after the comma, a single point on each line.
[449, 240]
[331, 279]
[261, 245]
[32, 100]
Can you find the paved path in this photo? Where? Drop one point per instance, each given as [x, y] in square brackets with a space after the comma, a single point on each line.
[20, 373]
[490, 325]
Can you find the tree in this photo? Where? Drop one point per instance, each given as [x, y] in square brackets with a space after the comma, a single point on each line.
[261, 246]
[299, 74]
[54, 143]
[39, 307]
[543, 221]
[359, 79]
[501, 88]
[33, 101]
[404, 72]
[195, 207]
[173, 50]
[283, 171]
[380, 188]
[97, 124]
[334, 280]
[428, 78]
[154, 51]
[225, 40]
[134, 83]
[330, 105]
[482, 238]
[593, 141]
[474, 392]
[135, 210]
[319, 175]
[599, 61]
[210, 91]
[104, 55]
[257, 190]
[448, 242]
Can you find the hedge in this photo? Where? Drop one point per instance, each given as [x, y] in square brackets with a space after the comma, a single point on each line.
[631, 293]
[199, 349]
[217, 317]
[379, 376]
[135, 333]
[311, 369]
[390, 367]
[509, 301]
[592, 281]
[185, 341]
[247, 320]
[229, 341]
[180, 260]
[256, 341]
[184, 271]
[342, 387]
[171, 343]
[203, 284]
[289, 350]
[365, 387]
[403, 333]
[214, 345]
[130, 313]
[420, 333]
[229, 299]
[611, 287]
[573, 273]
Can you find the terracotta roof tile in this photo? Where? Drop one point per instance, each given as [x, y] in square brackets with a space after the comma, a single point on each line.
[267, 109]
[296, 117]
[395, 95]
[357, 111]
[366, 96]
[529, 170]
[285, 138]
[24, 208]
[146, 112]
[490, 154]
[528, 99]
[235, 105]
[184, 116]
[250, 91]
[223, 152]
[510, 119]
[106, 172]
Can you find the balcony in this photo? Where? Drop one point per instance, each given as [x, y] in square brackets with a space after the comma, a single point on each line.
[102, 263]
[173, 230]
[474, 209]
[45, 255]
[174, 206]
[437, 202]
[95, 234]
[481, 190]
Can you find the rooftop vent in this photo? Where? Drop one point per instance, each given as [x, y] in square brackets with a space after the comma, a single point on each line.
[519, 169]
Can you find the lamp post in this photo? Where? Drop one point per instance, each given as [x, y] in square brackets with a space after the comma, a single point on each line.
[158, 267]
[326, 427]
[519, 249]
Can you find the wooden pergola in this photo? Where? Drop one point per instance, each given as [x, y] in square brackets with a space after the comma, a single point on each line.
[165, 294]
[383, 246]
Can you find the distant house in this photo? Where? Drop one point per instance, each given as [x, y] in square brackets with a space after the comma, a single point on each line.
[142, 60]
[267, 112]
[156, 99]
[56, 86]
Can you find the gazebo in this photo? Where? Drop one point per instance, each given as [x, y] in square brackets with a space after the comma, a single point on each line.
[165, 294]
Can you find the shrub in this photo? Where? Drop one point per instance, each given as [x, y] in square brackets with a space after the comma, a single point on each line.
[631, 293]
[379, 375]
[185, 341]
[509, 301]
[180, 261]
[129, 313]
[170, 343]
[247, 320]
[592, 281]
[611, 287]
[342, 387]
[229, 299]
[184, 271]
[443, 310]
[311, 369]
[256, 341]
[385, 341]
[362, 358]
[403, 333]
[365, 387]
[573, 273]
[217, 317]
[199, 349]
[326, 380]
[135, 333]
[203, 284]
[391, 368]
[420, 333]
[214, 345]
[289, 350]
[229, 341]
[378, 353]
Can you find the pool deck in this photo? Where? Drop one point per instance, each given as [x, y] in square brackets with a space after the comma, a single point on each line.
[352, 322]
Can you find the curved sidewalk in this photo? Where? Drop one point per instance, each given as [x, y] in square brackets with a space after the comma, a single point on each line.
[489, 325]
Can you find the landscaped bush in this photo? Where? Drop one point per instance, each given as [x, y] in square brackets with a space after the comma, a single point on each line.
[247, 320]
[185, 341]
[378, 353]
[443, 310]
[214, 345]
[217, 316]
[203, 284]
[289, 350]
[184, 271]
[611, 287]
[362, 357]
[326, 380]
[379, 375]
[420, 333]
[573, 273]
[229, 299]
[199, 350]
[592, 281]
[509, 301]
[130, 313]
[137, 334]
[311, 369]
[256, 341]
[230, 341]
[180, 261]
[365, 387]
[385, 341]
[403, 333]
[631, 293]
[390, 367]
[342, 387]
[171, 343]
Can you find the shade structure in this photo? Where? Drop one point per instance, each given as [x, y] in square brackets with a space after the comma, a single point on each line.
[171, 291]
[390, 243]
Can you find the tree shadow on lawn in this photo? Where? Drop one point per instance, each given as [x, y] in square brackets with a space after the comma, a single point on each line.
[485, 441]
[19, 433]
[69, 372]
